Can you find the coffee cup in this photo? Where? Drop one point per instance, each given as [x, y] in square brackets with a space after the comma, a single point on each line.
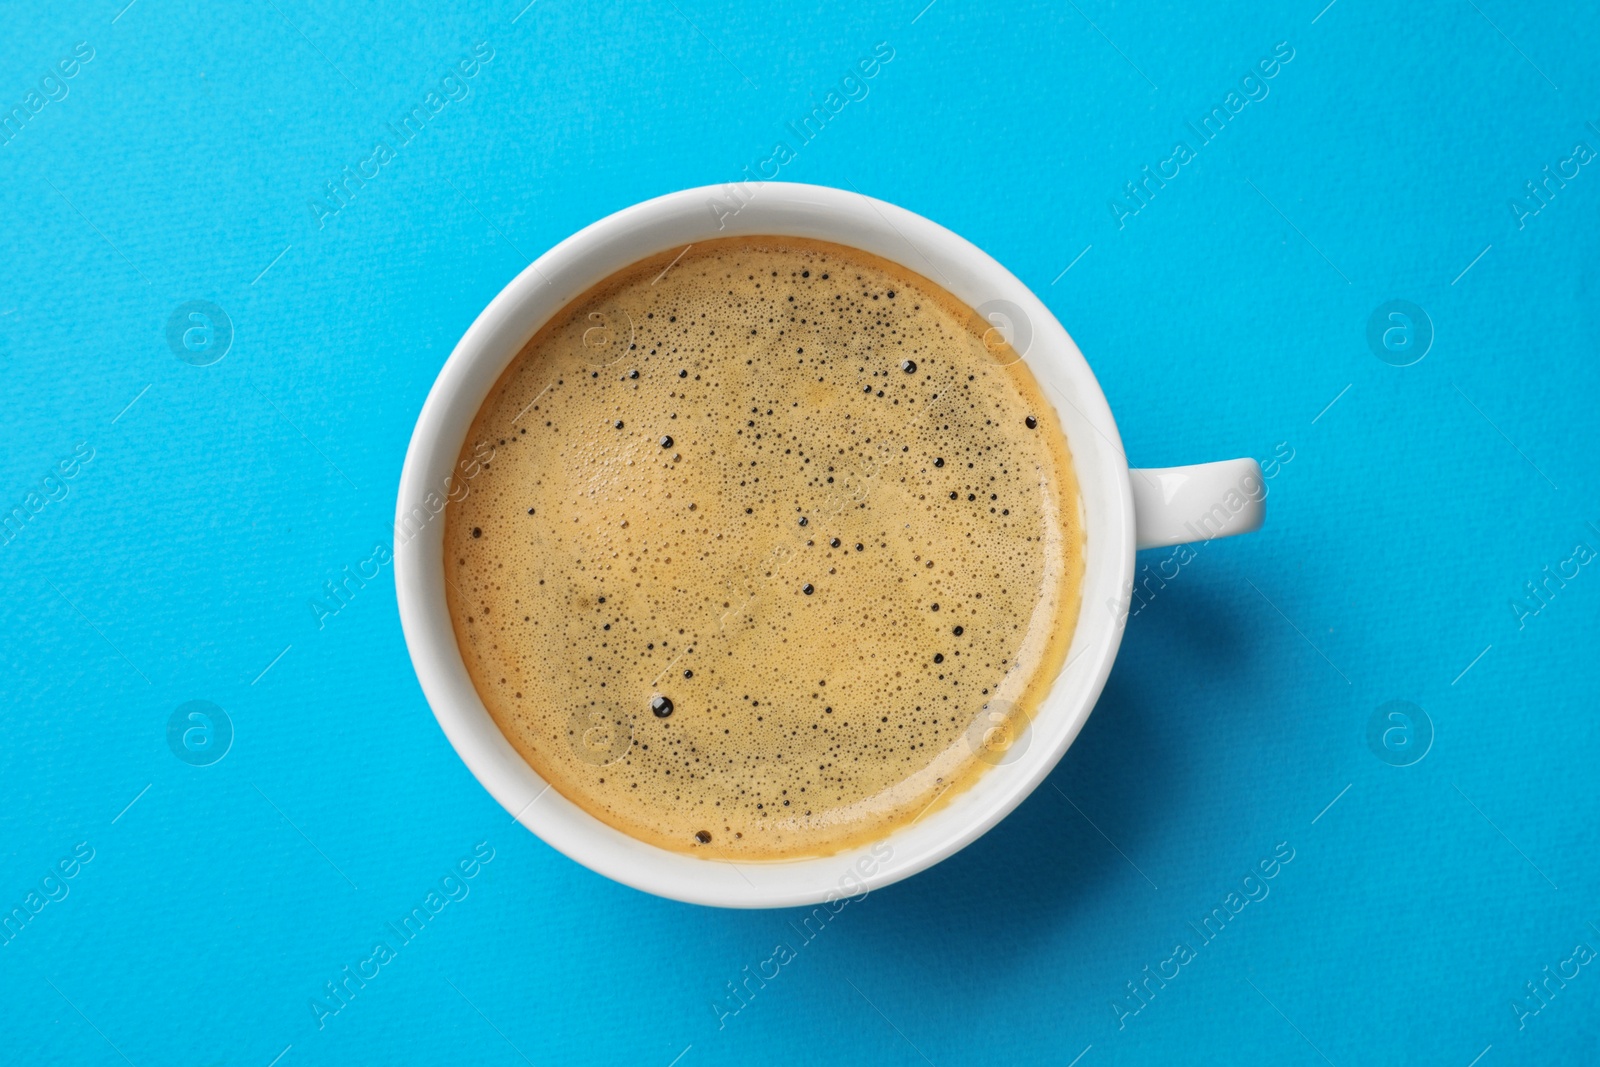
[1123, 509]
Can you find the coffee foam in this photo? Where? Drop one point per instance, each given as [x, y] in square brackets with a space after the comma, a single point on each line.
[768, 559]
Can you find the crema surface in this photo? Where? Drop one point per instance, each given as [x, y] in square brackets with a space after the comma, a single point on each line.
[779, 546]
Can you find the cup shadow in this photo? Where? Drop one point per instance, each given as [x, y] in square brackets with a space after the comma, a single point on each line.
[1047, 866]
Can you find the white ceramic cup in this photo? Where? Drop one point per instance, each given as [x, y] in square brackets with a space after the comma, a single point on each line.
[1122, 510]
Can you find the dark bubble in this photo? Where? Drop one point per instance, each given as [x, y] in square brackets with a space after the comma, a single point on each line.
[688, 674]
[661, 706]
[703, 836]
[666, 442]
[617, 424]
[909, 366]
[938, 657]
[859, 546]
[633, 374]
[935, 607]
[808, 589]
[683, 374]
[804, 521]
[1032, 423]
[833, 543]
[939, 462]
[477, 532]
[959, 631]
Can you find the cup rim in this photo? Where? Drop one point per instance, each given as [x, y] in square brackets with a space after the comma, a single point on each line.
[570, 268]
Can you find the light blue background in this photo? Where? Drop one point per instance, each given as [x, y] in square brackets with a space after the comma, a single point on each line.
[1222, 320]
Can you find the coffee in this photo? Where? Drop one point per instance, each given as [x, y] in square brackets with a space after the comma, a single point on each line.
[778, 547]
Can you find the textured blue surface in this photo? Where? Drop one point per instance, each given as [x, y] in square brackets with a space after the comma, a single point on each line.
[1382, 162]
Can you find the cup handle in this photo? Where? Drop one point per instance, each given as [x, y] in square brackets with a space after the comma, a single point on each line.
[1176, 505]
